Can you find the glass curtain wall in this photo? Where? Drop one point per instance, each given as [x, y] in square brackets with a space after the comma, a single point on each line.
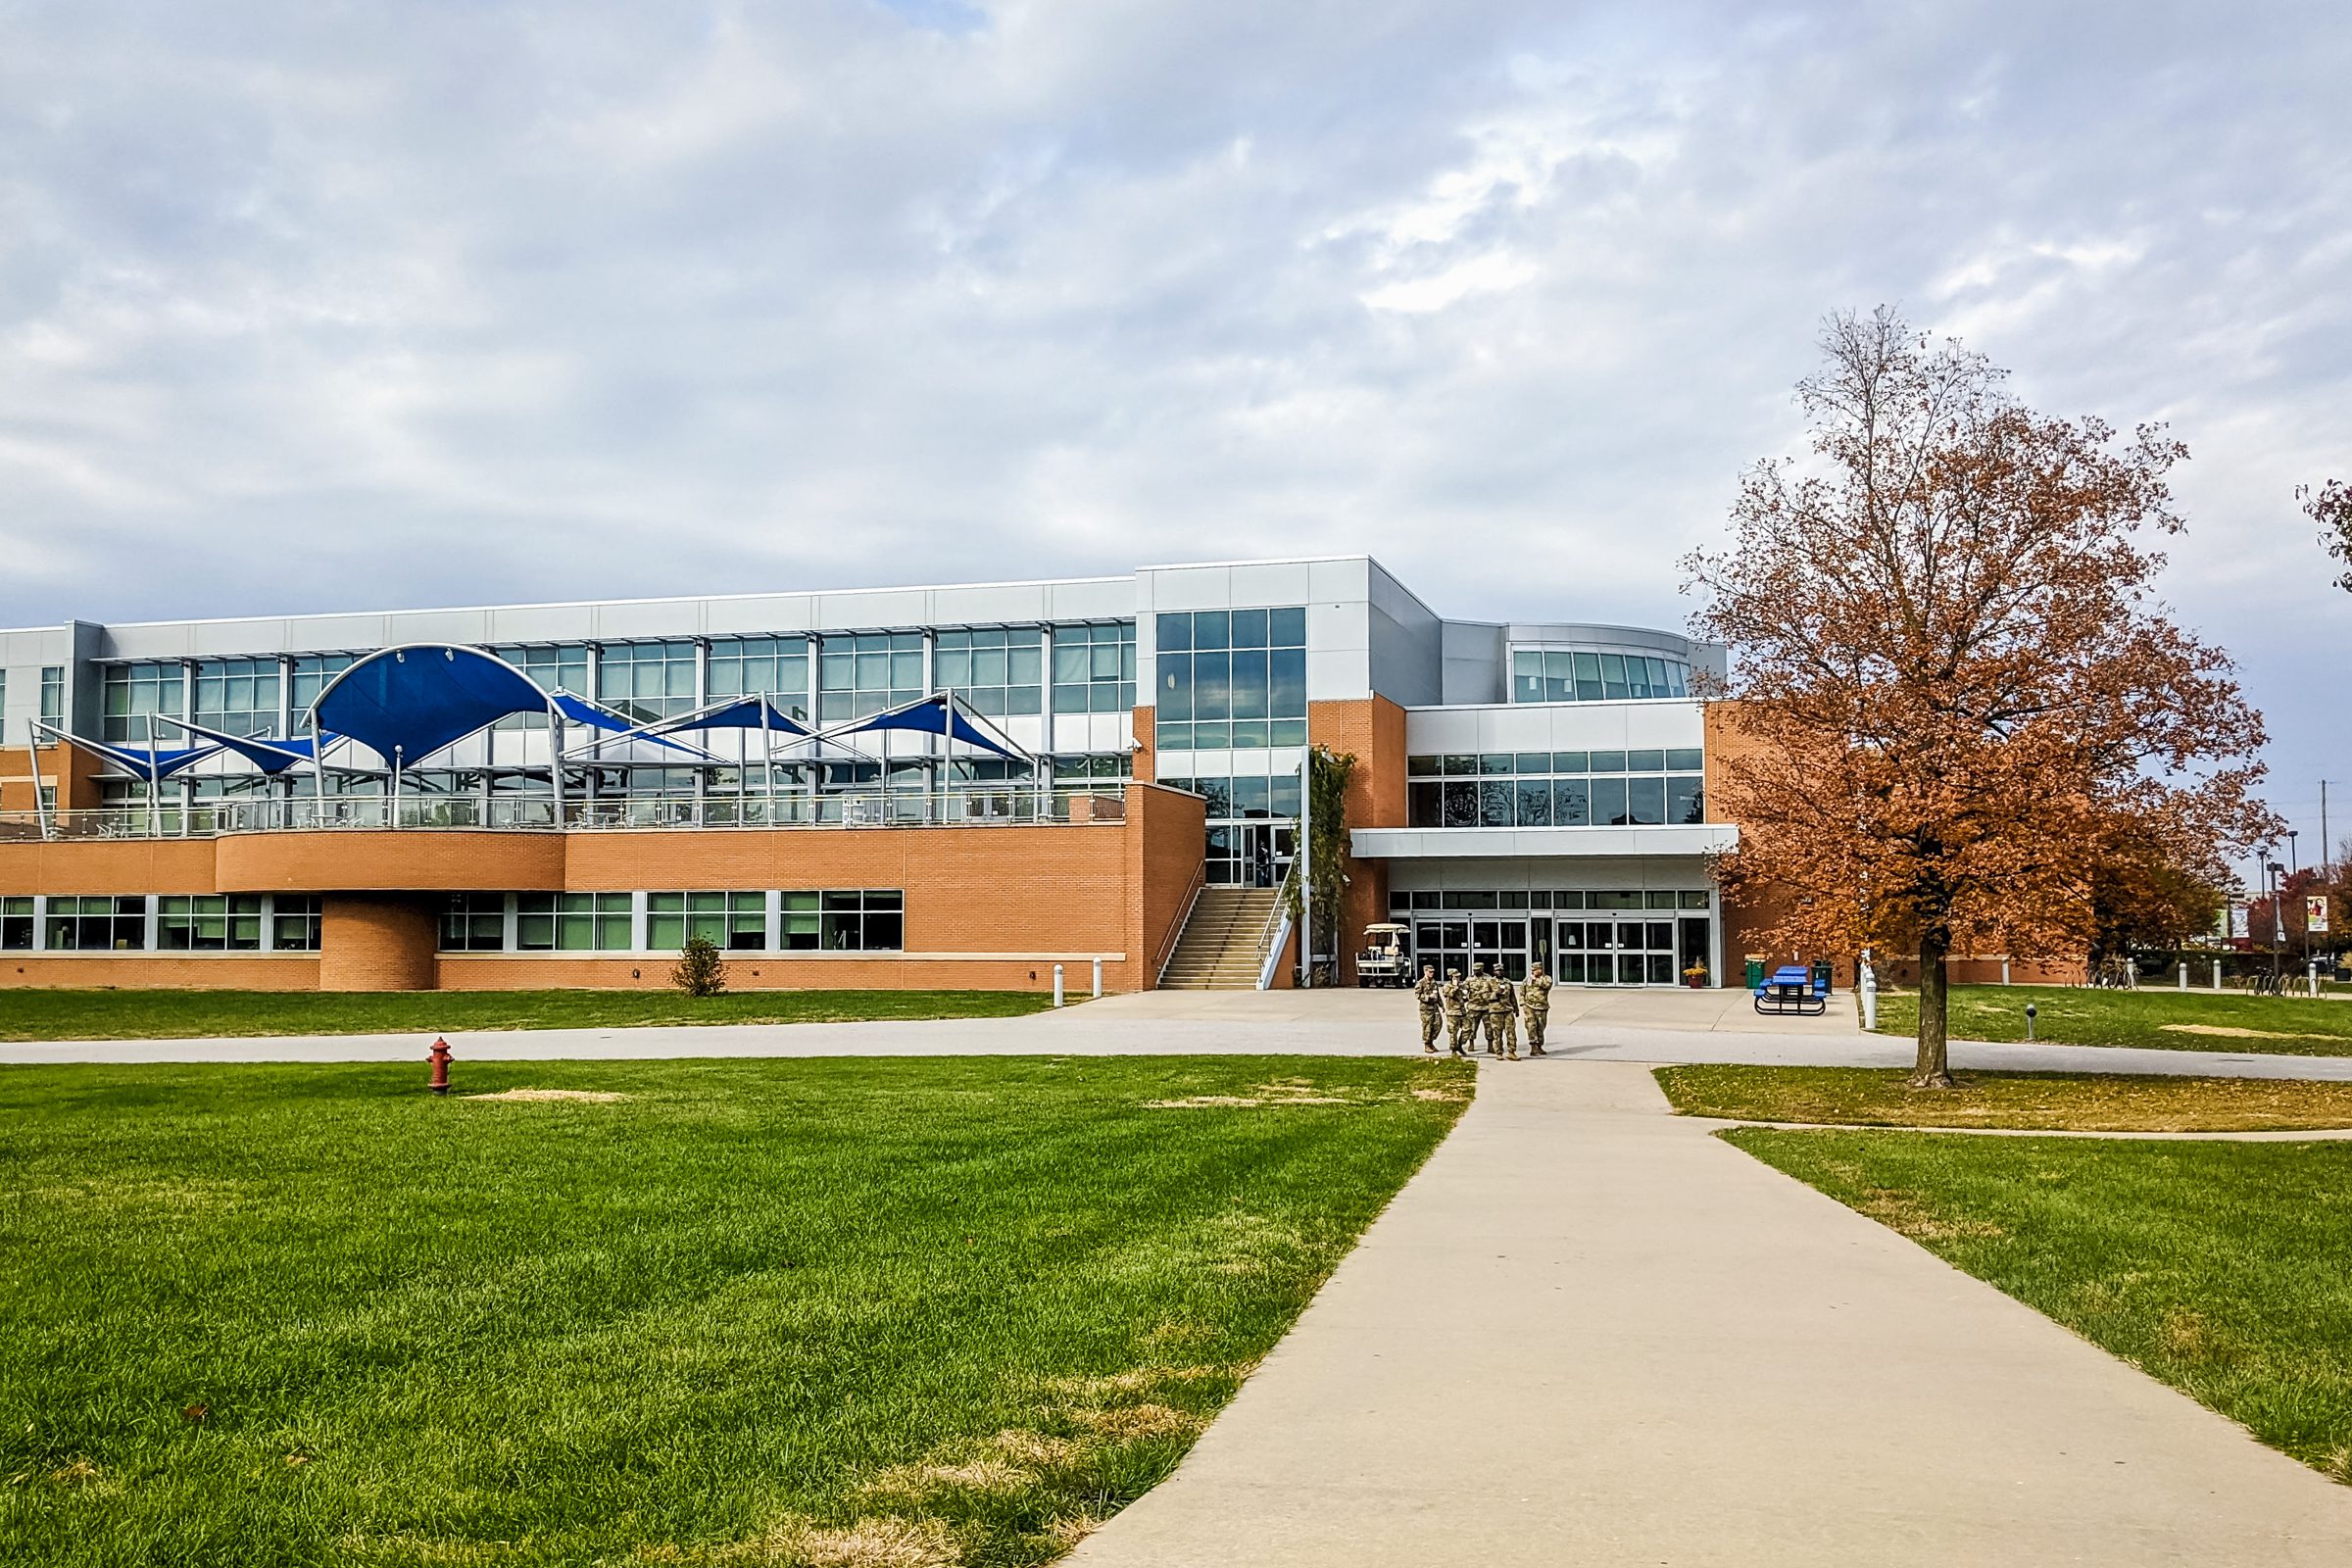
[1559, 789]
[1230, 679]
[1565, 675]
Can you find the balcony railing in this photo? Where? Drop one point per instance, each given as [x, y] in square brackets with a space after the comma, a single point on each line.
[973, 807]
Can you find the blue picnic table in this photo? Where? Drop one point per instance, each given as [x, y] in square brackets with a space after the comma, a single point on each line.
[1792, 988]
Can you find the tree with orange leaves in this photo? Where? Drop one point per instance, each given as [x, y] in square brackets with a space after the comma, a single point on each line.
[2330, 507]
[1968, 712]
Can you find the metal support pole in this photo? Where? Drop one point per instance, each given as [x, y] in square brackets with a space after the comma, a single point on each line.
[318, 770]
[1304, 859]
[1870, 998]
[1057, 985]
[33, 762]
[768, 757]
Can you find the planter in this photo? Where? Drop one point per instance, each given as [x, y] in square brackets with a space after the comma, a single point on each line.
[1696, 982]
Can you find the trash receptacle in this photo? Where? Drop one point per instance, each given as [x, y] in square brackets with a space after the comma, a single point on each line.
[1821, 978]
[1755, 970]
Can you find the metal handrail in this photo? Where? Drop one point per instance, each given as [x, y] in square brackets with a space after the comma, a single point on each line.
[1271, 940]
[980, 806]
[1173, 937]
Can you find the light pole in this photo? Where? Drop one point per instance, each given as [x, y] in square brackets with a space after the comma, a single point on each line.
[2274, 876]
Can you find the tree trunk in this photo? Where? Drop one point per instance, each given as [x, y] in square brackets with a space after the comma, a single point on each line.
[1934, 1068]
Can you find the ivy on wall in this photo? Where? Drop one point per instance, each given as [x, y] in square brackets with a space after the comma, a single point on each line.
[1327, 776]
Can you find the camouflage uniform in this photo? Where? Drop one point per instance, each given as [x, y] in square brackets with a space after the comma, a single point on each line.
[1503, 1015]
[1534, 1000]
[1426, 994]
[1454, 995]
[1478, 1001]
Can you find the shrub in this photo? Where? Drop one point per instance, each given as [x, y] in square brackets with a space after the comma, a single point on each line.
[699, 971]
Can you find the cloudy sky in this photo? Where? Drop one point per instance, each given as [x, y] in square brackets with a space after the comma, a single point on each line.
[314, 306]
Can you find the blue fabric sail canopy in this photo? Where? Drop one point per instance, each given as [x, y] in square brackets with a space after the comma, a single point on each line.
[743, 712]
[150, 761]
[579, 709]
[412, 702]
[936, 715]
[267, 753]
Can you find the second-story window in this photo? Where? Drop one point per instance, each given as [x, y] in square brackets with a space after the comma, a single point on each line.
[647, 680]
[998, 669]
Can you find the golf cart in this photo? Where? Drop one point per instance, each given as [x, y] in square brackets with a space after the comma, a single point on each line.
[1382, 962]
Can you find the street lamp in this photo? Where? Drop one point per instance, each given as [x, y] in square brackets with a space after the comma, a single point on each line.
[2275, 875]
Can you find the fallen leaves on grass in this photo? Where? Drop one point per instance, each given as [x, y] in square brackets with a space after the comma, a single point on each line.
[2231, 1031]
[878, 1542]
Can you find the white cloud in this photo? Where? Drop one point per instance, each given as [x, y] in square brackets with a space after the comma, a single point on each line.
[457, 302]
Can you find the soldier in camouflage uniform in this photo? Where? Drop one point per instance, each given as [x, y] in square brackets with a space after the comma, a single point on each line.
[1503, 1015]
[1453, 994]
[1477, 997]
[1426, 994]
[1534, 1000]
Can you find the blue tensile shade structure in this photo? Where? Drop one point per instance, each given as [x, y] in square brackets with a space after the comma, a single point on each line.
[154, 763]
[405, 703]
[267, 753]
[579, 709]
[939, 713]
[738, 713]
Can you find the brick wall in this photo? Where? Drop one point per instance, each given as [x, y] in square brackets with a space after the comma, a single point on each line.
[1373, 730]
[377, 942]
[178, 971]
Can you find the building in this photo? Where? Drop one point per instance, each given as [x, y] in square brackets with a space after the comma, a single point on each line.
[1523, 792]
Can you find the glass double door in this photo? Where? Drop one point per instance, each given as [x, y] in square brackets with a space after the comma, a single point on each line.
[1624, 952]
[1460, 944]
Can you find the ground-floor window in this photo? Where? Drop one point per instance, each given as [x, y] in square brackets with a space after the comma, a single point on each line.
[96, 925]
[209, 922]
[736, 922]
[16, 924]
[294, 922]
[573, 922]
[1581, 937]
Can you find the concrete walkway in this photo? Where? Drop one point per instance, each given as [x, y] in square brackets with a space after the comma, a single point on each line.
[1590, 1333]
[1646, 1026]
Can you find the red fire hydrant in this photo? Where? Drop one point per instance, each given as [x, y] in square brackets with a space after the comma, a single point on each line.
[440, 1057]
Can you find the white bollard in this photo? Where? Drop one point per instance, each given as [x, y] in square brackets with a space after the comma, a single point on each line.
[2217, 975]
[1870, 1000]
[1057, 985]
[2310, 977]
[1098, 979]
[2184, 977]
[2004, 972]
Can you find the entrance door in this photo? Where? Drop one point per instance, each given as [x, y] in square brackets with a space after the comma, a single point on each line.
[1444, 943]
[1624, 951]
[1265, 853]
[1501, 945]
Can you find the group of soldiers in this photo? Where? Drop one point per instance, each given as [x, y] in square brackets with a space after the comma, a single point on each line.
[1484, 1003]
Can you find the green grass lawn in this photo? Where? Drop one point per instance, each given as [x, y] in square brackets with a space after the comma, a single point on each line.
[901, 1311]
[41, 1014]
[2036, 1101]
[2169, 1020]
[2225, 1269]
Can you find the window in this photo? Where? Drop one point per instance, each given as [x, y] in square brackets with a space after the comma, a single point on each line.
[132, 695]
[1499, 789]
[15, 925]
[998, 670]
[868, 920]
[861, 675]
[1094, 669]
[1071, 770]
[748, 666]
[294, 922]
[474, 922]
[309, 677]
[208, 922]
[238, 695]
[53, 694]
[735, 921]
[559, 666]
[97, 924]
[647, 680]
[572, 923]
[1231, 678]
[1563, 675]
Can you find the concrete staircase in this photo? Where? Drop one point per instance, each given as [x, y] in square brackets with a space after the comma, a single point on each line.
[1222, 947]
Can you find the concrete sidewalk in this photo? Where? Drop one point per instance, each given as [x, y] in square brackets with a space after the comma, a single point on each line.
[1663, 1026]
[1590, 1333]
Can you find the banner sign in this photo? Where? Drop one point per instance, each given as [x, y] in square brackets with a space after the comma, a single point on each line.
[2242, 920]
[2315, 913]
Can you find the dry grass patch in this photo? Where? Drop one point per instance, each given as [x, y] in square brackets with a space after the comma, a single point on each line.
[881, 1542]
